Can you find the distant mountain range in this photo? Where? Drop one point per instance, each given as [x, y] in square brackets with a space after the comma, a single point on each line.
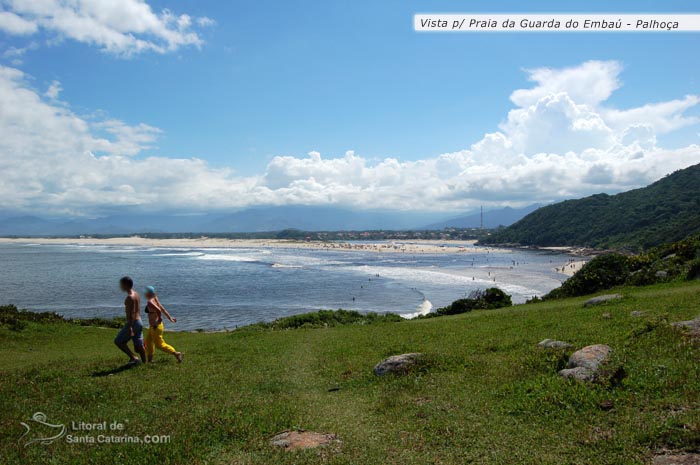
[117, 224]
[315, 219]
[492, 218]
[665, 211]
[259, 219]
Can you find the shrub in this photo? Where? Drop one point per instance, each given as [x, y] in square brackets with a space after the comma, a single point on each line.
[478, 300]
[101, 322]
[14, 319]
[328, 318]
[9, 318]
[693, 271]
[601, 273]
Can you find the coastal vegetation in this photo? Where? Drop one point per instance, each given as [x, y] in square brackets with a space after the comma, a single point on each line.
[327, 319]
[16, 320]
[677, 261]
[665, 211]
[479, 299]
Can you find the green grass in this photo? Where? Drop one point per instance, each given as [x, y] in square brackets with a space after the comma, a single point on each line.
[486, 394]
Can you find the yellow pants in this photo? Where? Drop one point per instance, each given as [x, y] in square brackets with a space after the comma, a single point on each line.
[155, 339]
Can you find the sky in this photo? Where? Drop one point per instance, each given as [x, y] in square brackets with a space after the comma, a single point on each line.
[216, 106]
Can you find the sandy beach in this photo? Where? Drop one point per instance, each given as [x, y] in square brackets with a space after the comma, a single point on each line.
[409, 247]
[571, 267]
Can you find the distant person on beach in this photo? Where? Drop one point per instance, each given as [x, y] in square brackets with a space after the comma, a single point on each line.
[154, 338]
[133, 329]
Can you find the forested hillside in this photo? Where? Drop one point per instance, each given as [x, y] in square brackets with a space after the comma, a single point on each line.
[666, 211]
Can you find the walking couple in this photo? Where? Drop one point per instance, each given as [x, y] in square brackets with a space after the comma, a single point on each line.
[133, 330]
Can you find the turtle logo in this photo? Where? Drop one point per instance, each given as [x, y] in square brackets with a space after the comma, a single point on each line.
[46, 432]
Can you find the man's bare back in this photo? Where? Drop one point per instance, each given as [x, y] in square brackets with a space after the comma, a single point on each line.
[132, 306]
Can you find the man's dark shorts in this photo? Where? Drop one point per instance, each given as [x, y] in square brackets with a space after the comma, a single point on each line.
[125, 334]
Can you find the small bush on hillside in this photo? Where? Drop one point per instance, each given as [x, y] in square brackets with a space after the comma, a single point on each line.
[675, 260]
[329, 318]
[600, 273]
[693, 271]
[101, 322]
[9, 318]
[478, 300]
[16, 320]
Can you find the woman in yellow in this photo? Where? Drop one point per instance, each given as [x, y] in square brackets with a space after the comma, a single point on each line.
[155, 331]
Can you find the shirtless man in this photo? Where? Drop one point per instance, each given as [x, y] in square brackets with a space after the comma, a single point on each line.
[134, 328]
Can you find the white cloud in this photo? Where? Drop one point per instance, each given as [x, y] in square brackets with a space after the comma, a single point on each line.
[54, 90]
[55, 161]
[556, 124]
[18, 52]
[15, 55]
[589, 83]
[124, 27]
[16, 25]
[663, 117]
[548, 148]
[205, 22]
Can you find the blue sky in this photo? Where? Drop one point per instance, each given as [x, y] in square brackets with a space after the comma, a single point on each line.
[282, 79]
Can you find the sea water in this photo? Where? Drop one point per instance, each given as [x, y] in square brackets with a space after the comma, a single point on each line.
[219, 288]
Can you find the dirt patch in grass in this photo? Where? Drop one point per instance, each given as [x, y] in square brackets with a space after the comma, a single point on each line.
[677, 459]
[299, 439]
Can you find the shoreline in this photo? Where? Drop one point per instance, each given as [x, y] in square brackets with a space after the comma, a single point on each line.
[571, 267]
[421, 246]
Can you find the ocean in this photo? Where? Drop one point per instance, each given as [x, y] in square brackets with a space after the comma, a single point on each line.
[224, 288]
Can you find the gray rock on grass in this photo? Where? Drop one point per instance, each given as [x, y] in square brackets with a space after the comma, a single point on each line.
[601, 299]
[636, 314]
[396, 364]
[693, 326]
[591, 357]
[552, 344]
[578, 373]
[584, 364]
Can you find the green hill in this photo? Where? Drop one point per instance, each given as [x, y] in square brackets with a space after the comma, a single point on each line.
[666, 211]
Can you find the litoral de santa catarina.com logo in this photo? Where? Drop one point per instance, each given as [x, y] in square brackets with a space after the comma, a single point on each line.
[38, 430]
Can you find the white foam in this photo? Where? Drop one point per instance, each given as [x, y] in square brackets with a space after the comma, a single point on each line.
[423, 309]
[282, 265]
[225, 258]
[429, 276]
[225, 249]
[123, 250]
[181, 254]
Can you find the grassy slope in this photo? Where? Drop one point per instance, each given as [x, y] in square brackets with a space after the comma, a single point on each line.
[488, 395]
